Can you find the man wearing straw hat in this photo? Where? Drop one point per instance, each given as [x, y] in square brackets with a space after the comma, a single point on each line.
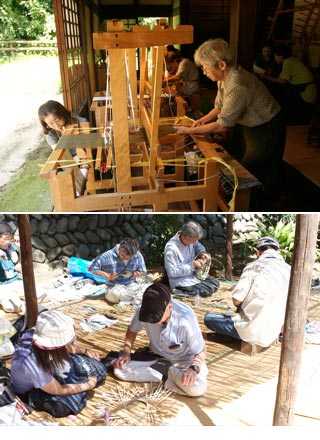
[175, 337]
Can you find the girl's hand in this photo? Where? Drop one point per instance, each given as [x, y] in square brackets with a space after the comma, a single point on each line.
[182, 130]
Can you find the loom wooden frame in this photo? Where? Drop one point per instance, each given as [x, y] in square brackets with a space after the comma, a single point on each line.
[127, 193]
[147, 188]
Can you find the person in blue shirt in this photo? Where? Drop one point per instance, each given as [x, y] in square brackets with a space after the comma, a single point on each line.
[9, 256]
[121, 264]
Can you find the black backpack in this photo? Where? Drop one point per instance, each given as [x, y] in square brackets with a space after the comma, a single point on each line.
[7, 396]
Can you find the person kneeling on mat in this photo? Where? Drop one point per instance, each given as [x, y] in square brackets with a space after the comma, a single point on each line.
[50, 372]
[183, 259]
[175, 337]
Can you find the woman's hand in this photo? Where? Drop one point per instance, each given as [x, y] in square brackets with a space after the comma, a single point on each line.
[189, 377]
[136, 274]
[197, 264]
[122, 360]
[92, 382]
[199, 122]
[183, 130]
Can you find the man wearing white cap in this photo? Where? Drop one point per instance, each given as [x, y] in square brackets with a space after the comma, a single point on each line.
[49, 371]
[260, 297]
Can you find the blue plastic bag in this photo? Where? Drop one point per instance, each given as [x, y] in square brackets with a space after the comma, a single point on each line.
[80, 267]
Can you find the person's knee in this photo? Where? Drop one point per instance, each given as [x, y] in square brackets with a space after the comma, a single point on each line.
[196, 390]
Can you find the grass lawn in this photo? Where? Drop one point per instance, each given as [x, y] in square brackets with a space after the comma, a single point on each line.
[26, 191]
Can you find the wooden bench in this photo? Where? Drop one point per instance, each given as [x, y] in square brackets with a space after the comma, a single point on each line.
[253, 349]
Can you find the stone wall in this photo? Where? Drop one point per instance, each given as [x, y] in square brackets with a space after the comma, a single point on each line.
[87, 235]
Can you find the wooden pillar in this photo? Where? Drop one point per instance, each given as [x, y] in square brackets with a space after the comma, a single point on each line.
[90, 51]
[119, 93]
[228, 273]
[27, 271]
[243, 15]
[296, 314]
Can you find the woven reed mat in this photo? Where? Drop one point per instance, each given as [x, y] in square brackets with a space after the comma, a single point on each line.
[231, 373]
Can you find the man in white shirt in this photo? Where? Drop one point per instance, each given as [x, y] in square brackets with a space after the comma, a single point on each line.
[260, 296]
[182, 265]
[175, 336]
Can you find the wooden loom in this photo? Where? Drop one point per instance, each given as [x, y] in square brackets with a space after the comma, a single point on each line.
[141, 178]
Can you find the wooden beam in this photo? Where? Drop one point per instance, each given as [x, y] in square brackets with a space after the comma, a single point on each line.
[228, 273]
[182, 34]
[27, 271]
[131, 57]
[242, 31]
[118, 84]
[63, 53]
[115, 201]
[296, 314]
[134, 11]
[155, 111]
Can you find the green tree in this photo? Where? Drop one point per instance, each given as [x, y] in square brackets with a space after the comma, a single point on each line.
[24, 19]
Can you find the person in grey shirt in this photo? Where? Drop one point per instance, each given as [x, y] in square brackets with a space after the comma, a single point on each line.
[175, 336]
[245, 113]
[180, 253]
[183, 263]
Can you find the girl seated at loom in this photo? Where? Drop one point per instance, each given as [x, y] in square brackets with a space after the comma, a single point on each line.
[50, 372]
[56, 120]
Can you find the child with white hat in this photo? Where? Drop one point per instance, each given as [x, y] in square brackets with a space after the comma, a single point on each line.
[49, 371]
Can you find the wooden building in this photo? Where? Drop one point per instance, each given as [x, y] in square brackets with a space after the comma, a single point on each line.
[245, 24]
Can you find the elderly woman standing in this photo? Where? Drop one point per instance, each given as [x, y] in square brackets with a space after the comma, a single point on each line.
[243, 104]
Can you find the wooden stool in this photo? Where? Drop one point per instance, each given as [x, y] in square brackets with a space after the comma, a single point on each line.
[253, 349]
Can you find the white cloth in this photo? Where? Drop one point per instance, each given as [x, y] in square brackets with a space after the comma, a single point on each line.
[138, 371]
[6, 331]
[10, 296]
[263, 290]
[178, 260]
[179, 340]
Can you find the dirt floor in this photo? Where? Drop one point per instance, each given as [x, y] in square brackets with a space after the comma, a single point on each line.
[241, 389]
[25, 84]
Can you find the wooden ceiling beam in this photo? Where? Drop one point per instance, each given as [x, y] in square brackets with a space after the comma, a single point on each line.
[134, 11]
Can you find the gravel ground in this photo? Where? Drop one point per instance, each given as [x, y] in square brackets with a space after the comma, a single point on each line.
[25, 84]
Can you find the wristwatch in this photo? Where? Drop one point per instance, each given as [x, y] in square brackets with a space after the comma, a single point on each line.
[195, 368]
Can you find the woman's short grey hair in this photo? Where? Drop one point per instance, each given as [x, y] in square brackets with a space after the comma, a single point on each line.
[211, 52]
[192, 229]
[130, 245]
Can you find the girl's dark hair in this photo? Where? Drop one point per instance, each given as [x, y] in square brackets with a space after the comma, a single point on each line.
[265, 248]
[176, 56]
[5, 229]
[283, 51]
[51, 360]
[56, 109]
[171, 48]
[130, 245]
